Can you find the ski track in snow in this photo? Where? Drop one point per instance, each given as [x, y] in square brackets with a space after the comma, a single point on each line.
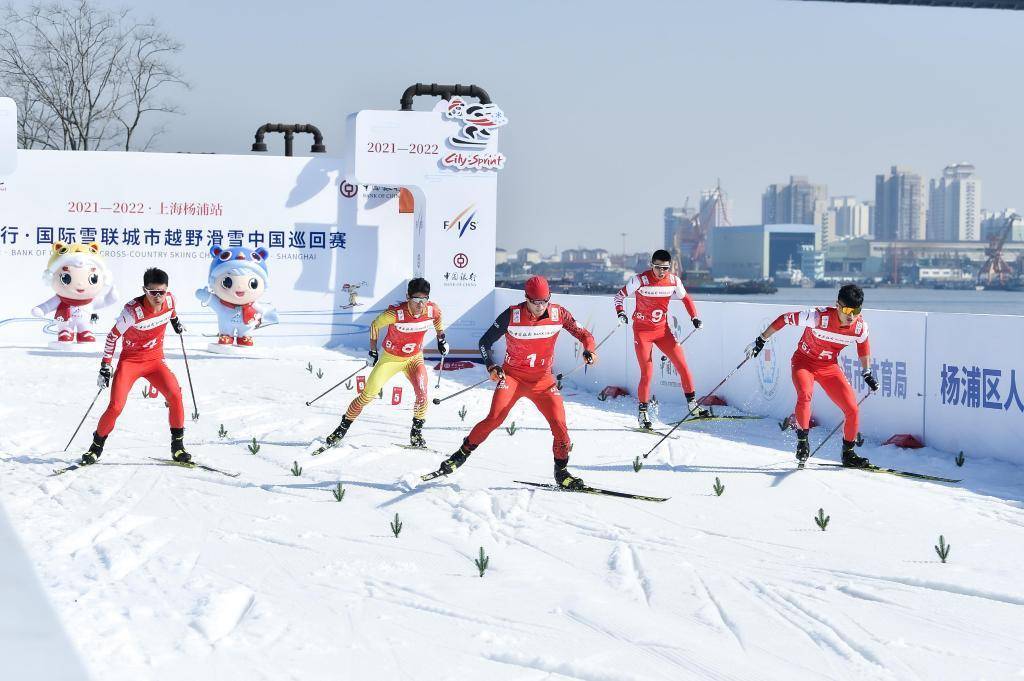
[166, 573]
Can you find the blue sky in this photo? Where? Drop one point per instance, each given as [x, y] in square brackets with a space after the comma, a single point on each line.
[618, 109]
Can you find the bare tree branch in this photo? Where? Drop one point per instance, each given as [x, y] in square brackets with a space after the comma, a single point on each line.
[85, 78]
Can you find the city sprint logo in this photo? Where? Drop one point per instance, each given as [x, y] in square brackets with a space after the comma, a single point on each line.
[463, 221]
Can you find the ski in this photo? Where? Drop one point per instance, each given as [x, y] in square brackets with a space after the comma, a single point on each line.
[699, 419]
[593, 490]
[650, 431]
[193, 464]
[427, 477]
[891, 471]
[67, 469]
[422, 449]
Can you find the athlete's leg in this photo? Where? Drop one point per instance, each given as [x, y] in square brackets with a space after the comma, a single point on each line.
[803, 381]
[387, 366]
[164, 380]
[505, 396]
[674, 351]
[642, 347]
[416, 372]
[124, 377]
[549, 401]
[839, 391]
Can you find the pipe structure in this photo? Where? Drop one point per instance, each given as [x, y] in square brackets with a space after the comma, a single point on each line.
[289, 130]
[442, 91]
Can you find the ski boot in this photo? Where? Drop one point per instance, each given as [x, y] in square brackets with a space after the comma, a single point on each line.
[565, 479]
[697, 411]
[850, 458]
[95, 450]
[449, 465]
[642, 418]
[803, 447]
[335, 437]
[416, 434]
[178, 452]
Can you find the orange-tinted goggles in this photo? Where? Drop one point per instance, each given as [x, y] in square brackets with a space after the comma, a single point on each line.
[850, 310]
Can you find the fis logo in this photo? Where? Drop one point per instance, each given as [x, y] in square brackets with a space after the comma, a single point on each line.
[463, 220]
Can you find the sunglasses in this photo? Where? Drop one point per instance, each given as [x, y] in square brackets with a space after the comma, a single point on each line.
[419, 299]
[539, 301]
[155, 294]
[661, 268]
[849, 310]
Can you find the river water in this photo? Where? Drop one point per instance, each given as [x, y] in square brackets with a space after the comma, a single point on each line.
[916, 299]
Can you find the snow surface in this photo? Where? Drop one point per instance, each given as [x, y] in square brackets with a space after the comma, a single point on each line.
[159, 572]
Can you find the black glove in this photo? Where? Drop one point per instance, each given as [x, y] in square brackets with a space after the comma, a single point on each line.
[374, 356]
[623, 319]
[755, 348]
[177, 326]
[870, 379]
[697, 323]
[496, 372]
[442, 346]
[93, 318]
[589, 357]
[103, 380]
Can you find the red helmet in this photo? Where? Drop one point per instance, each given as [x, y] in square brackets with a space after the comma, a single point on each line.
[537, 288]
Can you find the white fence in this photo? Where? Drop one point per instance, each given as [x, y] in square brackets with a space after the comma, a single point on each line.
[954, 381]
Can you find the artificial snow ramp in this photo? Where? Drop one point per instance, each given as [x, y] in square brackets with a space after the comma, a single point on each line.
[33, 646]
[167, 573]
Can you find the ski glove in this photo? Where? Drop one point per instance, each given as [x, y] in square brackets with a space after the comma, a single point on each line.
[93, 318]
[623, 319]
[177, 326]
[755, 348]
[697, 323]
[374, 356]
[496, 372]
[870, 379]
[442, 346]
[103, 380]
[589, 357]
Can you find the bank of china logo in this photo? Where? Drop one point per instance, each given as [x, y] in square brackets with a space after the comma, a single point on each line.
[463, 220]
[478, 120]
[768, 370]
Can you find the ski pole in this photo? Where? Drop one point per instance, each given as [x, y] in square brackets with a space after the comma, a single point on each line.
[439, 372]
[827, 437]
[83, 419]
[690, 413]
[559, 377]
[365, 364]
[439, 400]
[195, 409]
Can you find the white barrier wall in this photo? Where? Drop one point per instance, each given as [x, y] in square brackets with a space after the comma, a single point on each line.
[975, 384]
[947, 379]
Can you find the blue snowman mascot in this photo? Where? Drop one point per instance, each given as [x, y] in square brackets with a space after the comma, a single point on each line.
[238, 279]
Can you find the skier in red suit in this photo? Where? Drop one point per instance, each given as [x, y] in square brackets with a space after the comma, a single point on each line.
[653, 289]
[530, 330]
[827, 330]
[141, 329]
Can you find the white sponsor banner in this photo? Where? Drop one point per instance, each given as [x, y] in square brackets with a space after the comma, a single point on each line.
[450, 167]
[8, 137]
[975, 393]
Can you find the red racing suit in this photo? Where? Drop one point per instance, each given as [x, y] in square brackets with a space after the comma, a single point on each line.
[650, 325]
[817, 359]
[141, 331]
[529, 351]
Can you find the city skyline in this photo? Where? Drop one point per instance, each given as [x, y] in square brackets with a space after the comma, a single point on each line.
[586, 161]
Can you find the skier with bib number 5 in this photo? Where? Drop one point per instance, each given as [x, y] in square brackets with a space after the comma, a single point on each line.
[530, 329]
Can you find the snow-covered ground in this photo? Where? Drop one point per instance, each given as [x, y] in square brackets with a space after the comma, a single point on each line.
[159, 572]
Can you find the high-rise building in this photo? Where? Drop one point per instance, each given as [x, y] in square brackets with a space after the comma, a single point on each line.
[799, 203]
[954, 205]
[846, 217]
[899, 205]
[677, 219]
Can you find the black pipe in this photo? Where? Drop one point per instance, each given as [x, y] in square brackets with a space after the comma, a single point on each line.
[289, 130]
[443, 91]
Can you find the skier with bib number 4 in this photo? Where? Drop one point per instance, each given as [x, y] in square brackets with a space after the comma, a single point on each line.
[141, 329]
[530, 329]
[653, 289]
[406, 325]
[827, 330]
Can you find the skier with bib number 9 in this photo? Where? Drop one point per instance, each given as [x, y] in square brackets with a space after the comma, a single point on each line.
[530, 329]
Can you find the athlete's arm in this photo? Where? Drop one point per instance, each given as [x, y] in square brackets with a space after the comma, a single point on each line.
[491, 336]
